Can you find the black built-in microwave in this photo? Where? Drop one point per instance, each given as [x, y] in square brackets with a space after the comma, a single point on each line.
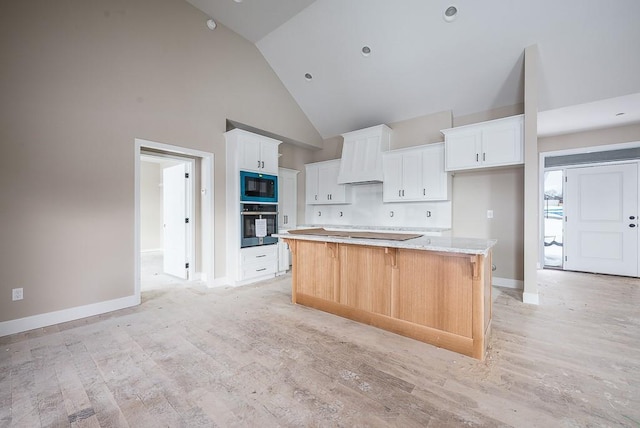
[257, 187]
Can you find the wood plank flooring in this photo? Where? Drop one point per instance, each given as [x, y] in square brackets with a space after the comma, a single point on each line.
[247, 357]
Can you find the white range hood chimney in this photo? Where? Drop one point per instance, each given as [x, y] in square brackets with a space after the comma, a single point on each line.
[361, 160]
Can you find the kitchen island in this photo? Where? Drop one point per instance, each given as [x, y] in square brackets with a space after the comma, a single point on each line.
[433, 289]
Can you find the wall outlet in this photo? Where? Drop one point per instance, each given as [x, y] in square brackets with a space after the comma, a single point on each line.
[17, 294]
[489, 213]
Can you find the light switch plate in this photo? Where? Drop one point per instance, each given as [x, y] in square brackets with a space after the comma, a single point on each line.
[17, 294]
[489, 213]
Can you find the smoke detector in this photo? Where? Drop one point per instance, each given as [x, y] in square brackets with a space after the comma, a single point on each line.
[450, 13]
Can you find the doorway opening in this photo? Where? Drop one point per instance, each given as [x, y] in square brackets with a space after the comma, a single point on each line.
[589, 209]
[174, 240]
[167, 221]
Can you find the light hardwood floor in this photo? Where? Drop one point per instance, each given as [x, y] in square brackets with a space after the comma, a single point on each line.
[247, 357]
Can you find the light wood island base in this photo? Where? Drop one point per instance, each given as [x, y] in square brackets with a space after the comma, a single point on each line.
[441, 298]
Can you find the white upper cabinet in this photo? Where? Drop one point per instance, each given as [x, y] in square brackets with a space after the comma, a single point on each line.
[415, 174]
[256, 152]
[287, 198]
[487, 144]
[322, 184]
[362, 150]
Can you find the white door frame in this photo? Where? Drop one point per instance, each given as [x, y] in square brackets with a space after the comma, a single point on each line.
[190, 203]
[541, 170]
[206, 206]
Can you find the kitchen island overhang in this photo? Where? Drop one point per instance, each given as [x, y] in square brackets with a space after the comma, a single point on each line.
[433, 289]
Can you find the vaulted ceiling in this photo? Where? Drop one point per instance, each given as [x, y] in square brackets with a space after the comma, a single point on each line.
[419, 63]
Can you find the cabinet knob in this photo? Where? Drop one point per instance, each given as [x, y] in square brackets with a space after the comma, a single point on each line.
[632, 217]
[632, 225]
[428, 213]
[390, 213]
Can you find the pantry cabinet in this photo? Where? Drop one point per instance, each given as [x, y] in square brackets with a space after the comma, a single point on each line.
[487, 144]
[415, 174]
[322, 186]
[287, 198]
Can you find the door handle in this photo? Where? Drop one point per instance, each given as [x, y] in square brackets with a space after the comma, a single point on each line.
[484, 155]
[424, 192]
[258, 164]
[477, 157]
[262, 164]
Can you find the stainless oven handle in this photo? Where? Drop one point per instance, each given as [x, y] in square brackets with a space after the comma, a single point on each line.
[259, 213]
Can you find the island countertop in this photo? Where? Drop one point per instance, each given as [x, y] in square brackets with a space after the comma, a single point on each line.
[445, 244]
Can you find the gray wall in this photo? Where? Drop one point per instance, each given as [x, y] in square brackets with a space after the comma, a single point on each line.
[80, 80]
[151, 230]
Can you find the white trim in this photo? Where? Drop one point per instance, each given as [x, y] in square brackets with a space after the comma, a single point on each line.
[153, 250]
[206, 193]
[51, 318]
[530, 298]
[219, 282]
[507, 283]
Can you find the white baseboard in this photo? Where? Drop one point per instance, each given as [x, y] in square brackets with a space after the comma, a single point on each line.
[50, 318]
[152, 250]
[530, 298]
[507, 283]
[220, 282]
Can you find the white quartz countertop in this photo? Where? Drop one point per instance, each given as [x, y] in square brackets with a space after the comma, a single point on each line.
[374, 228]
[427, 243]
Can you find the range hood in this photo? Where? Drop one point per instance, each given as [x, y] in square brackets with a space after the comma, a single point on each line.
[362, 150]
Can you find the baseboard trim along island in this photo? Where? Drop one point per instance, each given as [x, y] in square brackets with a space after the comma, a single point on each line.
[433, 289]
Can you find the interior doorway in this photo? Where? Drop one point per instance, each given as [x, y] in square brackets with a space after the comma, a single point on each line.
[191, 241]
[167, 221]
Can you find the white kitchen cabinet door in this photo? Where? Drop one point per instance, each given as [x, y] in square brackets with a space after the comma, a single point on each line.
[501, 144]
[311, 184]
[463, 150]
[287, 198]
[269, 157]
[257, 153]
[435, 180]
[415, 174]
[322, 184]
[488, 144]
[249, 153]
[392, 179]
[330, 192]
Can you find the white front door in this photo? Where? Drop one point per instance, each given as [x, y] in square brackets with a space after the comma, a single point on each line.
[601, 223]
[174, 190]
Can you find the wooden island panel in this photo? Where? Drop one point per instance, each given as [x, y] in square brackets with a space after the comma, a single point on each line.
[365, 278]
[436, 297]
[435, 290]
[317, 269]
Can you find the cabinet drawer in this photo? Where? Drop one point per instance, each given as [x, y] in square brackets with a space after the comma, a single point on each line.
[258, 254]
[253, 270]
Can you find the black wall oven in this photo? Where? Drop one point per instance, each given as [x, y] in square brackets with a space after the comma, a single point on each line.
[257, 223]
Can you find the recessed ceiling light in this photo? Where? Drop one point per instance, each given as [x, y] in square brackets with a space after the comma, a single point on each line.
[366, 51]
[619, 114]
[308, 77]
[450, 13]
[238, 1]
